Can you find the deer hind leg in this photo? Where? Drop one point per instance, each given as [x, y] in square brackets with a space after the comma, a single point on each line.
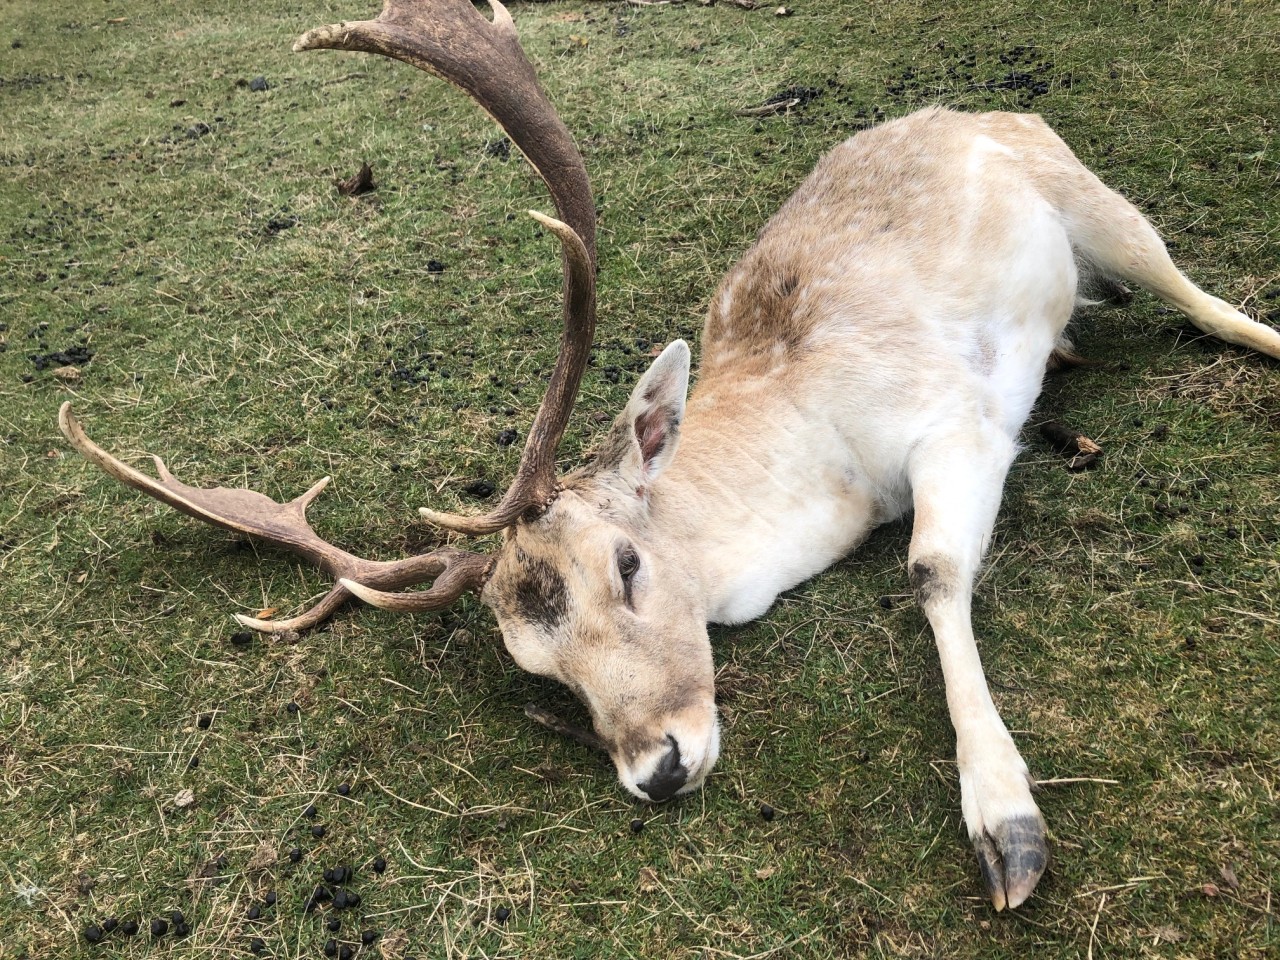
[1116, 239]
[956, 482]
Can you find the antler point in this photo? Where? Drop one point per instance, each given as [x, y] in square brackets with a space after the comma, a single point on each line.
[67, 421]
[359, 590]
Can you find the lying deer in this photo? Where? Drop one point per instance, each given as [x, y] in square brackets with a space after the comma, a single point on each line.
[876, 352]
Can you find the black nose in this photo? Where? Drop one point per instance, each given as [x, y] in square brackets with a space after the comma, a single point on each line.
[669, 777]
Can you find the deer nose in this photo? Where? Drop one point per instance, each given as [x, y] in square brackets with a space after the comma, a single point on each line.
[669, 776]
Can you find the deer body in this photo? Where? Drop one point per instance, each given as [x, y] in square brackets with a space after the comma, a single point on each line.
[909, 283]
[876, 352]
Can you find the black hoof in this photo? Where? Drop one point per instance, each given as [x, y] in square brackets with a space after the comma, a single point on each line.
[1012, 859]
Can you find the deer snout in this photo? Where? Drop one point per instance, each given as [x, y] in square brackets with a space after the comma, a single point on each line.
[675, 765]
[668, 777]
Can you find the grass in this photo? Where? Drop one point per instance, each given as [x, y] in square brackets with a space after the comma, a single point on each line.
[257, 328]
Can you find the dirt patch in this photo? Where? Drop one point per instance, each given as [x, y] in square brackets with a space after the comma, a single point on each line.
[1022, 70]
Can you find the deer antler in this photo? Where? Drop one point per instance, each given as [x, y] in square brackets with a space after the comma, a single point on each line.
[285, 524]
[450, 39]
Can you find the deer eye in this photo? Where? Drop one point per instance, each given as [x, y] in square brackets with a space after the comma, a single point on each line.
[628, 564]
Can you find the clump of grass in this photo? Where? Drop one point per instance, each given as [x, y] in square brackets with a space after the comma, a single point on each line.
[176, 235]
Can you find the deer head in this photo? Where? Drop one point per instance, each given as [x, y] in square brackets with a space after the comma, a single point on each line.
[582, 589]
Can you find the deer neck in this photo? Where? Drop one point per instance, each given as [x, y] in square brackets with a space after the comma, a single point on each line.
[763, 493]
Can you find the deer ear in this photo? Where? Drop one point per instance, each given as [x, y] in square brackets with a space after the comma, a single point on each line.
[643, 438]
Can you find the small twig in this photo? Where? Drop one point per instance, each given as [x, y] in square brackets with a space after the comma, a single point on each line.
[1093, 930]
[1127, 885]
[864, 884]
[556, 725]
[1083, 451]
[1056, 781]
[768, 109]
[344, 78]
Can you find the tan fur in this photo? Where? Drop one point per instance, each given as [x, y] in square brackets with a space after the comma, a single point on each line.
[876, 351]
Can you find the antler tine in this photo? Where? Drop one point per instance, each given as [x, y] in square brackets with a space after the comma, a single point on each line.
[457, 577]
[285, 525]
[529, 488]
[449, 39]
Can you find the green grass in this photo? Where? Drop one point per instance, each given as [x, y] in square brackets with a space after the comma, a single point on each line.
[245, 321]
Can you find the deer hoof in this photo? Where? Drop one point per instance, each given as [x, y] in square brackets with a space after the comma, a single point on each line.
[1012, 858]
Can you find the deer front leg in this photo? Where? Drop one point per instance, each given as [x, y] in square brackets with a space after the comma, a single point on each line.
[956, 486]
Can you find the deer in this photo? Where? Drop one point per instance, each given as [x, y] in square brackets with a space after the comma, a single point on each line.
[874, 355]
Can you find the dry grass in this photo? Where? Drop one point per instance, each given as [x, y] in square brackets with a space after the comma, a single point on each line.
[258, 328]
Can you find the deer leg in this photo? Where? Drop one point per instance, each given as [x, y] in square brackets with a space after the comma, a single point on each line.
[1114, 236]
[956, 483]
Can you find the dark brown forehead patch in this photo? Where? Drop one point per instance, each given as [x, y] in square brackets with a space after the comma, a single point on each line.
[540, 592]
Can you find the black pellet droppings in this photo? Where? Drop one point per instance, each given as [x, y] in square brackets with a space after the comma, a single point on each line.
[435, 266]
[258, 84]
[295, 854]
[310, 812]
[767, 812]
[241, 638]
[93, 933]
[181, 929]
[480, 489]
[345, 952]
[321, 895]
[353, 899]
[270, 898]
[331, 948]
[204, 721]
[109, 924]
[502, 914]
[334, 925]
[318, 831]
[368, 936]
[340, 900]
[379, 864]
[177, 917]
[255, 912]
[159, 928]
[344, 789]
[256, 945]
[507, 437]
[886, 602]
[637, 825]
[193, 763]
[129, 928]
[291, 707]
